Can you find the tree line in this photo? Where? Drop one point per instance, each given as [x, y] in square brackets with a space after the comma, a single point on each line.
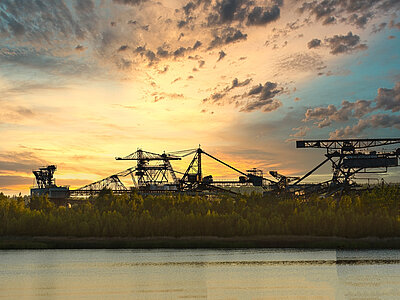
[370, 213]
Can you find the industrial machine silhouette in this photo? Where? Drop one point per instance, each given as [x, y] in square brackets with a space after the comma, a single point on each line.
[154, 173]
[46, 184]
[348, 158]
[44, 176]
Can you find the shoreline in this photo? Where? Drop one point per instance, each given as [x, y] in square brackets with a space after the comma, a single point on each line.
[196, 242]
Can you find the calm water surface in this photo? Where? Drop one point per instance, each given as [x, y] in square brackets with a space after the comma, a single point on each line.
[188, 274]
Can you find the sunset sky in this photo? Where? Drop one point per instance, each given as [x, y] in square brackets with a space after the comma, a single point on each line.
[83, 81]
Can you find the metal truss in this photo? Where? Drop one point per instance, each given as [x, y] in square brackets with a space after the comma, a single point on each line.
[350, 144]
[152, 174]
[44, 176]
[112, 182]
[347, 161]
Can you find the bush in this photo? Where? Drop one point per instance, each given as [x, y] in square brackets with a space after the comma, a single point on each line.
[371, 213]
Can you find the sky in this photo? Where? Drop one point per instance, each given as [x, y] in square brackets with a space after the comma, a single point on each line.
[84, 81]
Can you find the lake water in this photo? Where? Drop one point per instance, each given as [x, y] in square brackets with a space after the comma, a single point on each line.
[193, 274]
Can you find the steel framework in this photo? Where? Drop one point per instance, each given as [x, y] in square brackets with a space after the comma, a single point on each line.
[44, 176]
[193, 178]
[348, 158]
[283, 180]
[152, 174]
[112, 182]
[344, 144]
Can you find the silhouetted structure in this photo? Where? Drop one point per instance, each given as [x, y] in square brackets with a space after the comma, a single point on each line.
[46, 184]
[154, 173]
[348, 158]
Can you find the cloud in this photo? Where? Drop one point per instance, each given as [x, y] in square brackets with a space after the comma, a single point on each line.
[163, 52]
[124, 64]
[17, 114]
[20, 162]
[176, 79]
[236, 83]
[329, 20]
[392, 24]
[356, 12]
[387, 100]
[301, 61]
[339, 43]
[23, 111]
[189, 7]
[87, 22]
[197, 45]
[17, 87]
[314, 43]
[11, 180]
[374, 121]
[359, 21]
[323, 116]
[16, 28]
[319, 10]
[80, 48]
[53, 29]
[264, 98]
[217, 96]
[163, 96]
[123, 48]
[345, 43]
[129, 2]
[47, 21]
[227, 36]
[179, 52]
[255, 90]
[377, 28]
[149, 55]
[266, 105]
[267, 91]
[182, 23]
[300, 131]
[84, 6]
[31, 60]
[222, 54]
[164, 70]
[263, 15]
[227, 9]
[227, 12]
[320, 113]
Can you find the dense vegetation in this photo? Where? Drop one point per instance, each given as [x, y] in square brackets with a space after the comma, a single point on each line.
[371, 213]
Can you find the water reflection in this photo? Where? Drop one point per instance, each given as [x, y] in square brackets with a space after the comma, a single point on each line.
[262, 263]
[368, 274]
[215, 274]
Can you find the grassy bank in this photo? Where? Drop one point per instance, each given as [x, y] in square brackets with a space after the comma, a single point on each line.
[367, 220]
[43, 242]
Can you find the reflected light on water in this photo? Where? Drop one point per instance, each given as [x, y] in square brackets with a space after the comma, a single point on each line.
[191, 274]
